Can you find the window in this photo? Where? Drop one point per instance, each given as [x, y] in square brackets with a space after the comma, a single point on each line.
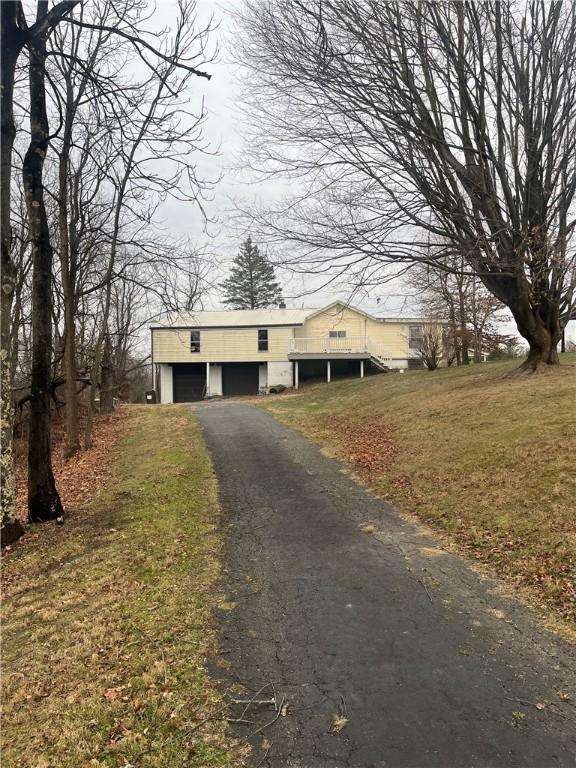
[194, 341]
[337, 334]
[262, 341]
[415, 334]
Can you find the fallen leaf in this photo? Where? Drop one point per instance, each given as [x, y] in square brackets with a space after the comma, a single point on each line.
[114, 693]
[367, 528]
[339, 722]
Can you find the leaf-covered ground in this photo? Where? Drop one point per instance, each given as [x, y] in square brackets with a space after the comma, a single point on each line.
[486, 459]
[80, 477]
[106, 624]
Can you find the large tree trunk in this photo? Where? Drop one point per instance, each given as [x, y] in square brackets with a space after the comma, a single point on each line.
[542, 335]
[43, 499]
[11, 45]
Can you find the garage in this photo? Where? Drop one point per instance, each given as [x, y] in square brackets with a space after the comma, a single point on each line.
[189, 382]
[240, 379]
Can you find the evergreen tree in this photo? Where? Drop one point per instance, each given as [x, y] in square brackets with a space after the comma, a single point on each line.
[252, 283]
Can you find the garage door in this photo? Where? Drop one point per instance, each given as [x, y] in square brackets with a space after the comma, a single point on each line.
[240, 379]
[189, 382]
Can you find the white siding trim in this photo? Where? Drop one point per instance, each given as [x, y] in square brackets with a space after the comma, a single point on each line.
[262, 375]
[215, 380]
[166, 384]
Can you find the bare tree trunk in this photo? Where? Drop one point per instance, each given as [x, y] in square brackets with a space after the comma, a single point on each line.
[96, 374]
[43, 499]
[11, 42]
[477, 330]
[463, 329]
[71, 375]
[542, 335]
[70, 368]
[107, 381]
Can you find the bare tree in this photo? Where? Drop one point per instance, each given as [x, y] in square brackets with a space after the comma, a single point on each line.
[15, 36]
[432, 346]
[171, 61]
[446, 290]
[78, 184]
[401, 120]
[155, 132]
[43, 498]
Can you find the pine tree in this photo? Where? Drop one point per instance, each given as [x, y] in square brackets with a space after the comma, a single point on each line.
[252, 283]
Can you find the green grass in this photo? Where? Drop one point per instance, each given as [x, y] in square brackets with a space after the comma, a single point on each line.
[485, 459]
[107, 622]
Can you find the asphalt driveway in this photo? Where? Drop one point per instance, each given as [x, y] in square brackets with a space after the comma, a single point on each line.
[379, 648]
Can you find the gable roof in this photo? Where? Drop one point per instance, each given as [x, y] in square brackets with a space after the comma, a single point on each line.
[264, 318]
[235, 318]
[343, 305]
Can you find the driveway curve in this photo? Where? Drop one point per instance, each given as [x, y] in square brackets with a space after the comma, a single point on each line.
[378, 647]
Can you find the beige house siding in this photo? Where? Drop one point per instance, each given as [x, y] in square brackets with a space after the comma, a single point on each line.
[392, 336]
[219, 345]
[336, 318]
[240, 344]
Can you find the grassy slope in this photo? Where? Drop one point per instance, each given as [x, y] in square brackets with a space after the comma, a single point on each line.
[107, 627]
[486, 459]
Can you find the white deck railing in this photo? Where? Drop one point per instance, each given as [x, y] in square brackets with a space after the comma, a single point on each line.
[324, 345]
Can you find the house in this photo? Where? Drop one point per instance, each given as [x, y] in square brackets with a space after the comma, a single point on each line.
[237, 352]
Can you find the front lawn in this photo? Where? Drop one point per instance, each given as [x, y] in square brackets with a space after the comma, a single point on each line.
[487, 460]
[106, 620]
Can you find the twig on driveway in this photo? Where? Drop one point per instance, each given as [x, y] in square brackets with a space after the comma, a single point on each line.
[247, 703]
[270, 722]
[421, 581]
[239, 720]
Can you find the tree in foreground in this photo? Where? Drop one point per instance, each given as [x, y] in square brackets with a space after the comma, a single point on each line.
[100, 101]
[405, 120]
[252, 282]
[15, 36]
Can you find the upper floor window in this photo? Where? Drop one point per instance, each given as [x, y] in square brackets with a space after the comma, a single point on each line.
[263, 340]
[337, 334]
[194, 341]
[415, 334]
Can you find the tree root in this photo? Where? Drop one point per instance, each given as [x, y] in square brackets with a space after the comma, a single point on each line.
[531, 368]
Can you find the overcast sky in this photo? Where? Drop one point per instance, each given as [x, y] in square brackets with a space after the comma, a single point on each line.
[222, 96]
[224, 130]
